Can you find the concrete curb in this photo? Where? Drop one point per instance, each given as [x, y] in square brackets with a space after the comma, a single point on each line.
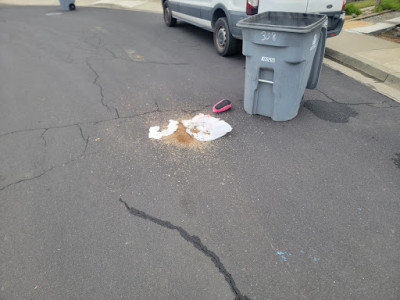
[376, 28]
[370, 69]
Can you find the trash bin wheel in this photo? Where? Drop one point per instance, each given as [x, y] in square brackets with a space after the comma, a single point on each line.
[168, 19]
[72, 6]
[224, 42]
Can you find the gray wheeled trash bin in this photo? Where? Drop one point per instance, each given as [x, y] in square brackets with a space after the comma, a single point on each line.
[317, 62]
[67, 4]
[280, 48]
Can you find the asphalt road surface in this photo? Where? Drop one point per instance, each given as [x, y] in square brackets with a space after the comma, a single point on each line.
[91, 208]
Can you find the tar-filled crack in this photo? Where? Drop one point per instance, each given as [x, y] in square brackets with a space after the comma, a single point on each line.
[195, 241]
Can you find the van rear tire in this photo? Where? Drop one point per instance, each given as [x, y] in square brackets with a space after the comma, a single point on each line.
[224, 42]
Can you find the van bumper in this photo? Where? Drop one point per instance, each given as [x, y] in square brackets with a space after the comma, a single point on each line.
[335, 23]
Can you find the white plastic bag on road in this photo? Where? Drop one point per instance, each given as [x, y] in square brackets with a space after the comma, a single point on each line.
[206, 128]
[155, 133]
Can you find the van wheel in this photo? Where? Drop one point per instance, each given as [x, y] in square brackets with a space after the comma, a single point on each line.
[168, 19]
[224, 42]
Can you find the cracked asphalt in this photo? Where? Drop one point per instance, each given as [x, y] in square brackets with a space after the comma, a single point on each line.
[90, 208]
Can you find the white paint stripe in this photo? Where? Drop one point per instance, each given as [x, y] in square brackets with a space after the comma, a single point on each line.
[201, 22]
[129, 4]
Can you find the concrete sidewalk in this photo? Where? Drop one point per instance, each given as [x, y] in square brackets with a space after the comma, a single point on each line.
[373, 56]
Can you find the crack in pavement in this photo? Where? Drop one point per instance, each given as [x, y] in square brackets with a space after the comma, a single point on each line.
[42, 136]
[157, 110]
[96, 83]
[160, 63]
[117, 112]
[26, 179]
[86, 140]
[88, 39]
[192, 111]
[195, 241]
[63, 126]
[45, 171]
[113, 54]
[374, 105]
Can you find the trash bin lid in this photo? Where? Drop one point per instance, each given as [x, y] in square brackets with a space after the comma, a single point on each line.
[283, 21]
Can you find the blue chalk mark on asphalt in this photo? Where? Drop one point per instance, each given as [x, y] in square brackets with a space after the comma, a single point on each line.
[285, 255]
[282, 254]
[316, 258]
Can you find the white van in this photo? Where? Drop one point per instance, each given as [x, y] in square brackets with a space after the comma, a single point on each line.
[221, 16]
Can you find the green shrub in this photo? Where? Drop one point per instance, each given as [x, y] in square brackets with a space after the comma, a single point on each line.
[364, 3]
[352, 9]
[388, 4]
